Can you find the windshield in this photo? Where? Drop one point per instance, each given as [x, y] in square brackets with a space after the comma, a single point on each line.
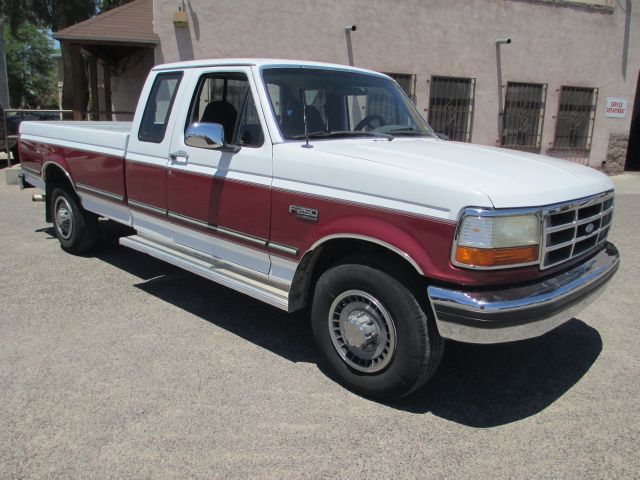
[340, 104]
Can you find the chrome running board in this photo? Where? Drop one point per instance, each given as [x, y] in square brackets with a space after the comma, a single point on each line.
[243, 280]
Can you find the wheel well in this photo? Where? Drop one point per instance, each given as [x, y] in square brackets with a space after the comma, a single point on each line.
[54, 176]
[348, 250]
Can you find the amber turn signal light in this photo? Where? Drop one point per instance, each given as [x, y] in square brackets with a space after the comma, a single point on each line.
[496, 257]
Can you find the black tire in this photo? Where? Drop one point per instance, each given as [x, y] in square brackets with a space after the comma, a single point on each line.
[76, 228]
[418, 346]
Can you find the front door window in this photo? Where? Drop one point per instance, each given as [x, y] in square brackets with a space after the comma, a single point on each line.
[225, 98]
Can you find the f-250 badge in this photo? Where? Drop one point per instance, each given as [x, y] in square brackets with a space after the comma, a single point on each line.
[305, 213]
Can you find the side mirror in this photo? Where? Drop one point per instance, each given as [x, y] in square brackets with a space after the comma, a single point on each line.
[205, 135]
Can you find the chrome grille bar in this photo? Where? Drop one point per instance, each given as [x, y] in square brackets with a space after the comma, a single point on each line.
[575, 228]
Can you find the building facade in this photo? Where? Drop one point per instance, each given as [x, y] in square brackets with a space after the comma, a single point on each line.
[546, 76]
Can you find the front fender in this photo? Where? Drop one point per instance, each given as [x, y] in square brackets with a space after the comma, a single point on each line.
[416, 241]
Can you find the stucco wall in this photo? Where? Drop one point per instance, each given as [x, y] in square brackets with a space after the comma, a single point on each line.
[557, 45]
[127, 83]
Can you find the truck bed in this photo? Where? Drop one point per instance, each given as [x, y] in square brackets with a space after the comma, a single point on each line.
[91, 153]
[84, 135]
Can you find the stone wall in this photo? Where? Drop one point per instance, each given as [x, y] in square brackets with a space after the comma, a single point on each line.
[616, 153]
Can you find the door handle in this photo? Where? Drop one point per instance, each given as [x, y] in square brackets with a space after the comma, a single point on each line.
[180, 157]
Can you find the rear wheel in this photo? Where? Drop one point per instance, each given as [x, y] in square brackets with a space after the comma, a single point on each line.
[373, 333]
[76, 228]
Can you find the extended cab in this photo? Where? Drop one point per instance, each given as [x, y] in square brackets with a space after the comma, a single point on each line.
[308, 184]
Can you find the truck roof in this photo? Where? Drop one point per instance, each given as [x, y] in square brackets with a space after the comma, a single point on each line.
[259, 62]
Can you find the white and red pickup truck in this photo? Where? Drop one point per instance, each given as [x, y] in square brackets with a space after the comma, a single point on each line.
[309, 184]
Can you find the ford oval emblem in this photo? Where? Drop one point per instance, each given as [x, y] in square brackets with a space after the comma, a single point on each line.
[589, 228]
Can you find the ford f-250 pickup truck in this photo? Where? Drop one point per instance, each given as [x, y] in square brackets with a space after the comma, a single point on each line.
[308, 184]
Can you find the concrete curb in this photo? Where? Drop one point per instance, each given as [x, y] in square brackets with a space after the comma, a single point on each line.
[11, 175]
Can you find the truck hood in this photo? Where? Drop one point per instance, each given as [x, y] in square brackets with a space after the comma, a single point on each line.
[509, 178]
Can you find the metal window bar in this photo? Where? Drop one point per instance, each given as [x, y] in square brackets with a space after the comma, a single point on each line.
[575, 119]
[379, 102]
[523, 115]
[103, 115]
[451, 106]
[407, 82]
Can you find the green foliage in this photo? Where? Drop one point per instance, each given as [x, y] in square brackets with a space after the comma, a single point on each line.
[44, 15]
[104, 5]
[52, 14]
[31, 69]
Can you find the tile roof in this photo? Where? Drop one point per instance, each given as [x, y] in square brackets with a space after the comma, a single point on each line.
[131, 23]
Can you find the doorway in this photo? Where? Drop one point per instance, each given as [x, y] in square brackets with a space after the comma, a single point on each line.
[633, 150]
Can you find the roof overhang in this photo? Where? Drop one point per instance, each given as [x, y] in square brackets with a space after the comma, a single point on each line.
[107, 41]
[127, 26]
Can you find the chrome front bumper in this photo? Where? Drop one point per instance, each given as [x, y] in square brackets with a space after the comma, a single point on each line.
[496, 316]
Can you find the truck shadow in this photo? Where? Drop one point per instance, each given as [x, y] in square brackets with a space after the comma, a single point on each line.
[477, 385]
[490, 385]
[287, 335]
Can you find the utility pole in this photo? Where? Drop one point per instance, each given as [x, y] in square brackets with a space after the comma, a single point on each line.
[500, 41]
[4, 93]
[4, 82]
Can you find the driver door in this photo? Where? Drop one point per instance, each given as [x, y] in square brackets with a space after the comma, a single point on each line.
[220, 200]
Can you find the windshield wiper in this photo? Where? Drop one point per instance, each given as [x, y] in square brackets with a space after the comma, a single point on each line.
[410, 131]
[342, 133]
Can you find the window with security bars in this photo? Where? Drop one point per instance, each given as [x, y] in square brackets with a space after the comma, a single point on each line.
[575, 119]
[588, 3]
[523, 115]
[407, 82]
[451, 106]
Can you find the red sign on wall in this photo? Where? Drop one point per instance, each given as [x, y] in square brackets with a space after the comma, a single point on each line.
[616, 107]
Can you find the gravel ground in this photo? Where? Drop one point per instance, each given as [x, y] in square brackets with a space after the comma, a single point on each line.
[117, 364]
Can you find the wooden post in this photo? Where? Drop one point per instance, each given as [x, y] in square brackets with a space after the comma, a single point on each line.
[93, 85]
[106, 73]
[76, 66]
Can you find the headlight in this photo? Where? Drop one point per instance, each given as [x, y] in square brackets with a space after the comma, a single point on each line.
[488, 241]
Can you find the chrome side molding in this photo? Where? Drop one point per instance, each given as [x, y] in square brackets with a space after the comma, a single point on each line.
[97, 191]
[255, 284]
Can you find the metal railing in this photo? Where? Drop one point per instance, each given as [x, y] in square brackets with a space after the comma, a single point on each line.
[21, 114]
[108, 116]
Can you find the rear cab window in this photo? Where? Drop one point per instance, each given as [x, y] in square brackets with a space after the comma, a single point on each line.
[158, 108]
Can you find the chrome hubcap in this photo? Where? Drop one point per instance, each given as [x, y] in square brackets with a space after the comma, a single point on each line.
[362, 331]
[64, 218]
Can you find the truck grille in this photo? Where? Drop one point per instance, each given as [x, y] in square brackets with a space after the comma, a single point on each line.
[575, 228]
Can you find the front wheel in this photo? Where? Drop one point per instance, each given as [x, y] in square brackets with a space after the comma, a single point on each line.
[76, 228]
[372, 332]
